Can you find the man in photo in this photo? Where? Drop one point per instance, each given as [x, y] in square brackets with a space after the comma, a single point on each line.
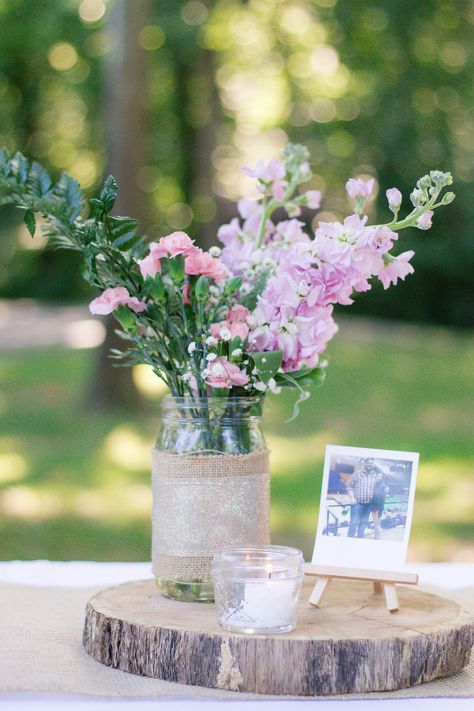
[361, 490]
[378, 504]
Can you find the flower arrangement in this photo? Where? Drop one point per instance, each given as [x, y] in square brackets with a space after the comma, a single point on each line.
[252, 316]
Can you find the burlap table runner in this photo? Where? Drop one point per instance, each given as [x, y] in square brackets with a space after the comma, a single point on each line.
[205, 502]
[41, 650]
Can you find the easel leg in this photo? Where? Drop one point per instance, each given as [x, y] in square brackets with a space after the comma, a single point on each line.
[391, 597]
[378, 586]
[318, 591]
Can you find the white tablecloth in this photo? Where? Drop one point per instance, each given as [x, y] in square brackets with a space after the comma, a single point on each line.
[445, 576]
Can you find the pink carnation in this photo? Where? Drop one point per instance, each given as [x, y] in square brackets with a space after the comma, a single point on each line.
[111, 298]
[186, 294]
[238, 313]
[150, 266]
[198, 263]
[135, 304]
[240, 329]
[396, 269]
[178, 243]
[236, 329]
[224, 374]
[169, 246]
[235, 323]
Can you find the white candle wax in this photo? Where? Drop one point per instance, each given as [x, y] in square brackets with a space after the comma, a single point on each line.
[266, 604]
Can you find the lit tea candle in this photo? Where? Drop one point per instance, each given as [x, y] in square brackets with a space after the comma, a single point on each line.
[257, 588]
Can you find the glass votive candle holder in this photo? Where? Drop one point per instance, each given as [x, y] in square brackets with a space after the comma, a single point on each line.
[257, 588]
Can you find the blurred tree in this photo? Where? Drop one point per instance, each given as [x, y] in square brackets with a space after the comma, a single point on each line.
[49, 83]
[125, 133]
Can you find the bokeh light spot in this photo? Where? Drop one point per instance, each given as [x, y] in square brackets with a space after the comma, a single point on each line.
[179, 215]
[84, 168]
[151, 37]
[62, 56]
[194, 13]
[148, 178]
[204, 208]
[147, 382]
[13, 466]
[423, 100]
[322, 110]
[324, 60]
[91, 10]
[26, 241]
[126, 449]
[453, 55]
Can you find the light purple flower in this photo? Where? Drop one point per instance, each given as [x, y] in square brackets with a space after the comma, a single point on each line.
[230, 232]
[397, 268]
[356, 187]
[278, 189]
[379, 238]
[294, 311]
[394, 198]
[305, 278]
[424, 221]
[313, 199]
[269, 172]
[291, 231]
[247, 208]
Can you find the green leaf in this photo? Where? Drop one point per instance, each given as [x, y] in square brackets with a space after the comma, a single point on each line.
[307, 378]
[232, 285]
[304, 381]
[108, 194]
[156, 288]
[267, 363]
[70, 190]
[125, 318]
[234, 343]
[176, 268]
[201, 288]
[19, 167]
[97, 207]
[39, 179]
[250, 300]
[122, 230]
[4, 157]
[30, 222]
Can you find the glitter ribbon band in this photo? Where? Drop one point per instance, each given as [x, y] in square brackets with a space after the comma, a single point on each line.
[203, 503]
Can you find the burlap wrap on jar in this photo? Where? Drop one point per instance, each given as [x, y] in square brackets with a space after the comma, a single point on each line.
[205, 502]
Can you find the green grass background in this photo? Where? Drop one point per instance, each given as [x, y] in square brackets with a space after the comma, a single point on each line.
[74, 484]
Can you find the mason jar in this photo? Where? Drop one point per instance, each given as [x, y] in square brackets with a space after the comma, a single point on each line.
[211, 489]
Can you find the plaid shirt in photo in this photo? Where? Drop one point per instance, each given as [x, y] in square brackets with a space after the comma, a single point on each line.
[362, 485]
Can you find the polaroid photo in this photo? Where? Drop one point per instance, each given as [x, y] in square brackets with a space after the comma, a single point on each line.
[366, 510]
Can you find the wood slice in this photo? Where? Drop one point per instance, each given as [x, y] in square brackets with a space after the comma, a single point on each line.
[351, 644]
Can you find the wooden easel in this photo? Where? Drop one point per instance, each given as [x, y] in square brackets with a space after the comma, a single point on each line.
[383, 581]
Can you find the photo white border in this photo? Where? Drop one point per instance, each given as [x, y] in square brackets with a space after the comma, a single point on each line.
[363, 553]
